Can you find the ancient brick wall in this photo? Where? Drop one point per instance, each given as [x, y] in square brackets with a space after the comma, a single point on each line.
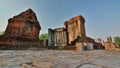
[109, 44]
[24, 25]
[84, 46]
[73, 34]
[75, 27]
[22, 31]
[79, 47]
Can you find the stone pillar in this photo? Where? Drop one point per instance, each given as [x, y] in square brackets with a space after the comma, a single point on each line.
[79, 27]
[90, 46]
[60, 37]
[50, 37]
[64, 36]
[83, 29]
[55, 38]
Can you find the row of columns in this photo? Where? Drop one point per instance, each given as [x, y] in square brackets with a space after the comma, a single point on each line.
[60, 37]
[57, 38]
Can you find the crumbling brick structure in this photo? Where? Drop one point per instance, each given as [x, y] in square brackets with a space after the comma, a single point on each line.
[24, 25]
[109, 44]
[74, 34]
[22, 31]
[75, 27]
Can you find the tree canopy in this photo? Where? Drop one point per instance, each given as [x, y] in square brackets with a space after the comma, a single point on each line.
[43, 36]
[2, 32]
[117, 40]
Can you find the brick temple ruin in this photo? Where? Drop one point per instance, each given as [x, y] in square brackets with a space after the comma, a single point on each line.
[73, 34]
[109, 45]
[22, 32]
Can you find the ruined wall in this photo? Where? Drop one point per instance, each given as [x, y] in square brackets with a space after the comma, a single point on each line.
[73, 36]
[22, 31]
[75, 27]
[100, 41]
[80, 46]
[18, 43]
[24, 25]
[51, 37]
[109, 44]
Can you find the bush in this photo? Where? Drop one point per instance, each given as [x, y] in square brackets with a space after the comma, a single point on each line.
[117, 41]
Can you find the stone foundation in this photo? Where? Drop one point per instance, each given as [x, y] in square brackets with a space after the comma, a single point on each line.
[18, 43]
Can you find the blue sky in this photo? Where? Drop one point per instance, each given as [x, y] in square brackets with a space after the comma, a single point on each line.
[102, 16]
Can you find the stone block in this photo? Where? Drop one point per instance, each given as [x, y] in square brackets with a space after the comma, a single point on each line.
[79, 47]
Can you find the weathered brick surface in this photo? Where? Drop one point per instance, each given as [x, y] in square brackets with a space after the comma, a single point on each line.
[79, 47]
[72, 34]
[75, 27]
[109, 46]
[22, 31]
[24, 25]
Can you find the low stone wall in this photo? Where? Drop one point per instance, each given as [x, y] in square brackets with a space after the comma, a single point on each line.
[70, 48]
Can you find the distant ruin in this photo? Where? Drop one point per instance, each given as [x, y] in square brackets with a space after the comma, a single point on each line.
[22, 31]
[73, 34]
[109, 45]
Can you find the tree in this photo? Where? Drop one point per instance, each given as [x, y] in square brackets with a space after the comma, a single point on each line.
[43, 36]
[117, 41]
[2, 32]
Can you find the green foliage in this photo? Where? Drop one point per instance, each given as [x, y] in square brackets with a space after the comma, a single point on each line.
[2, 32]
[43, 36]
[117, 40]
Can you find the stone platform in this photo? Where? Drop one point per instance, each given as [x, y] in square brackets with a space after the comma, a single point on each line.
[59, 59]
